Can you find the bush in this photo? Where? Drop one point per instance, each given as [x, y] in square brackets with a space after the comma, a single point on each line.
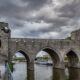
[11, 66]
[68, 38]
[66, 58]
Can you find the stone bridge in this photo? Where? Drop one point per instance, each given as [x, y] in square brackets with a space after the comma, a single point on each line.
[57, 48]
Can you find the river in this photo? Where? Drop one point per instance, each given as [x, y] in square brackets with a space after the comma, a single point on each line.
[43, 72]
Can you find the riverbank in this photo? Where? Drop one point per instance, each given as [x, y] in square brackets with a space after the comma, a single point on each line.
[48, 63]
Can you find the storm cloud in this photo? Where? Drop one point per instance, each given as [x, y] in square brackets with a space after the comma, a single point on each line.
[41, 18]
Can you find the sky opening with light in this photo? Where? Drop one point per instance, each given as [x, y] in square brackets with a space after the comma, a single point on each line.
[40, 54]
[52, 19]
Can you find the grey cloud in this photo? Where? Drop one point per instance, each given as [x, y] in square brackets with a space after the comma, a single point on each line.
[36, 3]
[70, 10]
[18, 14]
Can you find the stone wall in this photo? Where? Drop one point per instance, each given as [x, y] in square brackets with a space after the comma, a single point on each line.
[4, 37]
[75, 35]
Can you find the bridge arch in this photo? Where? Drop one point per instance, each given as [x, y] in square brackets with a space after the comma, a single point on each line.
[73, 58]
[55, 55]
[25, 55]
[22, 52]
[29, 66]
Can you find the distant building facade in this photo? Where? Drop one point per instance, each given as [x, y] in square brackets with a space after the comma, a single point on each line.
[75, 35]
[46, 55]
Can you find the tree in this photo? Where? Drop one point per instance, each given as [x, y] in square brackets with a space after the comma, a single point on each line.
[68, 38]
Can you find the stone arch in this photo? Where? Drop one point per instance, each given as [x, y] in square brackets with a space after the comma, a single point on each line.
[50, 48]
[73, 58]
[56, 57]
[53, 54]
[12, 53]
[25, 55]
[29, 65]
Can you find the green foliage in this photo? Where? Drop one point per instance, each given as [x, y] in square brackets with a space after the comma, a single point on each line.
[48, 58]
[68, 38]
[66, 58]
[19, 59]
[11, 66]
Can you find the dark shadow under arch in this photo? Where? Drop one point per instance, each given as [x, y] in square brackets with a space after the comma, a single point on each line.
[25, 55]
[72, 58]
[54, 55]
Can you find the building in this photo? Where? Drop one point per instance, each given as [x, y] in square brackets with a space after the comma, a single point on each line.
[47, 55]
[75, 35]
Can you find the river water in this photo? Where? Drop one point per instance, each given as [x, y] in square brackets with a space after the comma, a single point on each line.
[43, 72]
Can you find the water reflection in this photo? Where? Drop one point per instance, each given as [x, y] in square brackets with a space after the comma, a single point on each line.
[74, 74]
[58, 74]
[30, 75]
[43, 72]
[19, 72]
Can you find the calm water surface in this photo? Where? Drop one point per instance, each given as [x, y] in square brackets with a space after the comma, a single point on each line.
[43, 72]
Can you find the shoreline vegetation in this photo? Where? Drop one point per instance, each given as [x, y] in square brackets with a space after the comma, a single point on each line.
[68, 38]
[11, 66]
[24, 60]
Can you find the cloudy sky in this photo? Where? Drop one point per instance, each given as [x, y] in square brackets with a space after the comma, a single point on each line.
[41, 18]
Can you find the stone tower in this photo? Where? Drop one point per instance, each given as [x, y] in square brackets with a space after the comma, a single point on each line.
[75, 35]
[4, 37]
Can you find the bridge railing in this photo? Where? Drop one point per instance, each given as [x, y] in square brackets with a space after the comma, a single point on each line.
[9, 73]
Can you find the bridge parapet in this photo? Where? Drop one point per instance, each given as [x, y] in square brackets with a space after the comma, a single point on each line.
[46, 42]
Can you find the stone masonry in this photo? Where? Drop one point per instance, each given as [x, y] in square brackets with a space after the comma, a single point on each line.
[75, 35]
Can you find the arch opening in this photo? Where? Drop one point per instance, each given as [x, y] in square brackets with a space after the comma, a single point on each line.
[25, 55]
[53, 56]
[46, 59]
[20, 61]
[71, 59]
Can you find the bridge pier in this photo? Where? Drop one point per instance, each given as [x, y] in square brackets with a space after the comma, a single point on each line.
[30, 75]
[69, 65]
[75, 73]
[30, 65]
[76, 65]
[59, 65]
[58, 74]
[30, 70]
